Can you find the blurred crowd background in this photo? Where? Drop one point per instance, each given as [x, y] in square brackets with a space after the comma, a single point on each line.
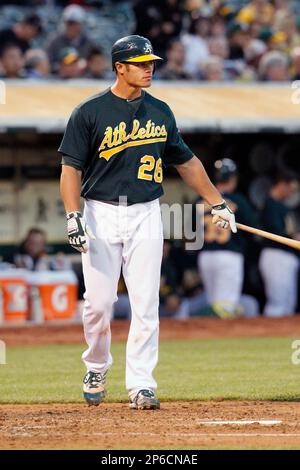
[202, 40]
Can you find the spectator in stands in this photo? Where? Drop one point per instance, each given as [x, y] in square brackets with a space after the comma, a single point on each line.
[160, 21]
[238, 36]
[32, 254]
[174, 68]
[279, 42]
[70, 65]
[254, 51]
[218, 46]
[295, 56]
[256, 31]
[258, 11]
[72, 35]
[22, 33]
[195, 43]
[285, 22]
[218, 26]
[12, 62]
[212, 69]
[97, 64]
[273, 67]
[279, 265]
[37, 64]
[32, 251]
[282, 6]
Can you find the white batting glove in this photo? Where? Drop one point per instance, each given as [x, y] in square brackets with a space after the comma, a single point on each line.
[224, 217]
[78, 230]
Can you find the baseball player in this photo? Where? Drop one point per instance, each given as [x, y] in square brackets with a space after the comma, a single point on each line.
[221, 261]
[279, 264]
[114, 149]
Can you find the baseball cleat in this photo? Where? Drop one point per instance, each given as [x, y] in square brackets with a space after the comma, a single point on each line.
[93, 388]
[145, 400]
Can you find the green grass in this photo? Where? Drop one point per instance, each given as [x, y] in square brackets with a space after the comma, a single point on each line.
[255, 368]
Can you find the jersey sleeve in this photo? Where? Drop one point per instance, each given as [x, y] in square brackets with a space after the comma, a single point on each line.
[75, 143]
[176, 151]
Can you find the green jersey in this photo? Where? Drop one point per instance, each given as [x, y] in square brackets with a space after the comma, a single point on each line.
[278, 218]
[122, 146]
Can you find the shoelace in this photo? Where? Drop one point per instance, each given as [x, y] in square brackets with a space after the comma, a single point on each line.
[145, 393]
[95, 379]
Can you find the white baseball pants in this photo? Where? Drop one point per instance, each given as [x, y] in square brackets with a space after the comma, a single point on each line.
[222, 273]
[279, 270]
[131, 238]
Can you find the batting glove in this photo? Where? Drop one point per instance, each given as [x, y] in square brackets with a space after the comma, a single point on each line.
[77, 232]
[224, 217]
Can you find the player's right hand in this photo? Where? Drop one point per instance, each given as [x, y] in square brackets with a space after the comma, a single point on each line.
[78, 230]
[223, 217]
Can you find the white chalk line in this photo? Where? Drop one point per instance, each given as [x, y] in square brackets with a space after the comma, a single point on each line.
[201, 434]
[149, 434]
[260, 422]
[240, 423]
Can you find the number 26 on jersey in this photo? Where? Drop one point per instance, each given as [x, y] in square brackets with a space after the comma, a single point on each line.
[150, 169]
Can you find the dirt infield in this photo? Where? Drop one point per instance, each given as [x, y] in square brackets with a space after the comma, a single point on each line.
[177, 425]
[195, 328]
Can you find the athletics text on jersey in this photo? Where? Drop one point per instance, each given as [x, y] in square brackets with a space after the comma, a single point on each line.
[122, 146]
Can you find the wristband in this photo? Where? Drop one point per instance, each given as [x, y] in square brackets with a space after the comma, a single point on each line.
[72, 214]
[220, 207]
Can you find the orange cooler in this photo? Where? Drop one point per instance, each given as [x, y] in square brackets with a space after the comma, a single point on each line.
[14, 296]
[53, 295]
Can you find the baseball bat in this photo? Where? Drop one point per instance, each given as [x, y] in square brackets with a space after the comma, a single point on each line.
[270, 236]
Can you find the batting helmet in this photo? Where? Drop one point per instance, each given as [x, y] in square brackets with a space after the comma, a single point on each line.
[225, 168]
[132, 49]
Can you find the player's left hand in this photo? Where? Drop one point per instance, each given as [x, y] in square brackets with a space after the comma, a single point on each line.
[224, 217]
[78, 230]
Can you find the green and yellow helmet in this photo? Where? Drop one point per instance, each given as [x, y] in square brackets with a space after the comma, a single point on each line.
[132, 49]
